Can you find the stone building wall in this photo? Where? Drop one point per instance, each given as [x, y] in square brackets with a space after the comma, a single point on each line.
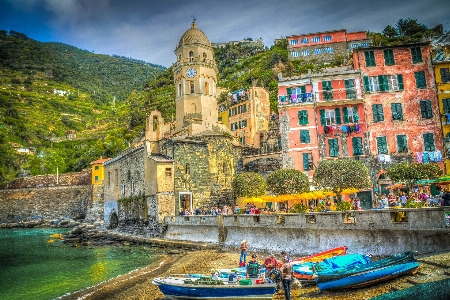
[48, 180]
[44, 203]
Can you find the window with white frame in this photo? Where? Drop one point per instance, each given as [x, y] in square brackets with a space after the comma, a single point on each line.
[329, 50]
[353, 46]
[327, 38]
[305, 40]
[330, 117]
[293, 42]
[317, 51]
[373, 84]
[306, 52]
[316, 39]
[295, 54]
[362, 45]
[393, 82]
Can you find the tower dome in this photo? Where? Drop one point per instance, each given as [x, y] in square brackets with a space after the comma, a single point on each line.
[194, 36]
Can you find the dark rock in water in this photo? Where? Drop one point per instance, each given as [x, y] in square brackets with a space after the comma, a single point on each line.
[64, 223]
[72, 240]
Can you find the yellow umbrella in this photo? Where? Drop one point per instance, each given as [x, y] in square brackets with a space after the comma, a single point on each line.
[319, 194]
[254, 200]
[268, 198]
[349, 191]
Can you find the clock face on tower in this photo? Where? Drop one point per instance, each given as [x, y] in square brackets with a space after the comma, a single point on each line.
[191, 72]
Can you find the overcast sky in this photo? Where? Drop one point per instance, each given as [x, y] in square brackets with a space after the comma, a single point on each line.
[149, 30]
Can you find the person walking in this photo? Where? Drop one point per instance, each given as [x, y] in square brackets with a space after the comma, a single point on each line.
[286, 275]
[243, 257]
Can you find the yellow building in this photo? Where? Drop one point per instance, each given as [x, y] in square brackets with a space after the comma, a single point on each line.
[98, 174]
[441, 60]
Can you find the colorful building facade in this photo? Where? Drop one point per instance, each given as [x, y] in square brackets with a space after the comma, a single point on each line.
[98, 173]
[325, 46]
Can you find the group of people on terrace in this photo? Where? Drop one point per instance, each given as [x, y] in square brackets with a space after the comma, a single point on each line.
[421, 197]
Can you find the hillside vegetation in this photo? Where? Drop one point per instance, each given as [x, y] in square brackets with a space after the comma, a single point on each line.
[71, 106]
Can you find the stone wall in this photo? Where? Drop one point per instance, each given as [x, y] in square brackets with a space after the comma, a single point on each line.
[371, 231]
[44, 203]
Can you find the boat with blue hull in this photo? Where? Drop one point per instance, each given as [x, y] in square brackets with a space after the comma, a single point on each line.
[179, 288]
[370, 277]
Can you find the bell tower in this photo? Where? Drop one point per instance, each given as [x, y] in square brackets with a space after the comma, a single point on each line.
[195, 78]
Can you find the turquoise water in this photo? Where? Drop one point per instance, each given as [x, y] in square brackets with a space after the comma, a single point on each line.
[32, 268]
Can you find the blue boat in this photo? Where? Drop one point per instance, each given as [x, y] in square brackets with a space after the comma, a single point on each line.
[179, 288]
[435, 290]
[370, 277]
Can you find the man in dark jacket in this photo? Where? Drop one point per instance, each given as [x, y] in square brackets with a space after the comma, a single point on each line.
[446, 198]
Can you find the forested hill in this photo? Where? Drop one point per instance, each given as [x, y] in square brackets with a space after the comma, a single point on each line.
[104, 77]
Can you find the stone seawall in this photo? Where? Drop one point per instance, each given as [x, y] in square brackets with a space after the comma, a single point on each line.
[379, 232]
[44, 203]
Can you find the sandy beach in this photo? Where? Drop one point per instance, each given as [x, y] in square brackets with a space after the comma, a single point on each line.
[138, 284]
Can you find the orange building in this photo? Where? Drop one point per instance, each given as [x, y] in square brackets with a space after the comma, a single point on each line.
[98, 174]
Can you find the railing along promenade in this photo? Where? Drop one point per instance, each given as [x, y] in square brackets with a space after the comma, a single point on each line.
[380, 232]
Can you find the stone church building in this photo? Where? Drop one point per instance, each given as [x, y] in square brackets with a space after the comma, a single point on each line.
[184, 164]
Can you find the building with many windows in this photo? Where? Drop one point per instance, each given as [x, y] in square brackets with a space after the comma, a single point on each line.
[325, 46]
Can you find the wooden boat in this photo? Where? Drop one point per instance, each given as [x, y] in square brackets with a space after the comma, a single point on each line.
[180, 288]
[334, 274]
[305, 272]
[321, 255]
[369, 277]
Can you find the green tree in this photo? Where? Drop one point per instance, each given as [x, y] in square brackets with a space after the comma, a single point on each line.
[337, 175]
[248, 184]
[287, 181]
[390, 31]
[409, 173]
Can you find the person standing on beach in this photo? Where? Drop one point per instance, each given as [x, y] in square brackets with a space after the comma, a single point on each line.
[243, 258]
[286, 275]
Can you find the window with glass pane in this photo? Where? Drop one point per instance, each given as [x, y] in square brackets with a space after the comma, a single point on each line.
[304, 136]
[397, 111]
[425, 109]
[445, 75]
[330, 117]
[389, 57]
[370, 58]
[382, 145]
[327, 38]
[317, 51]
[316, 39]
[357, 146]
[333, 147]
[302, 117]
[446, 105]
[402, 144]
[293, 42]
[420, 80]
[305, 40]
[350, 89]
[327, 90]
[377, 111]
[416, 54]
[308, 161]
[393, 82]
[306, 52]
[428, 142]
[373, 84]
[295, 54]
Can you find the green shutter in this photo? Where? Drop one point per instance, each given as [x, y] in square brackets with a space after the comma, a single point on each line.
[428, 142]
[389, 57]
[402, 145]
[401, 86]
[350, 89]
[327, 90]
[416, 54]
[357, 146]
[446, 105]
[333, 147]
[382, 145]
[425, 109]
[366, 84]
[304, 136]
[289, 91]
[397, 112]
[305, 161]
[303, 89]
[377, 111]
[302, 117]
[345, 111]
[337, 112]
[323, 121]
[370, 58]
[383, 83]
[420, 80]
[355, 114]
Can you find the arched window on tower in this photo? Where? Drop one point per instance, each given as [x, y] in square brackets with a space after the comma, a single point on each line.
[179, 56]
[206, 88]
[191, 55]
[191, 87]
[179, 90]
[155, 123]
[205, 56]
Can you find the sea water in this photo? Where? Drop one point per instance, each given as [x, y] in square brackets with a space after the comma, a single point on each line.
[32, 267]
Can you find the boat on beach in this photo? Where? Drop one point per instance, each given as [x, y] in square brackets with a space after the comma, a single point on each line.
[320, 256]
[369, 277]
[183, 287]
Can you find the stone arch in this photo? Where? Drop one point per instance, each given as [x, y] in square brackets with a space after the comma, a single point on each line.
[113, 220]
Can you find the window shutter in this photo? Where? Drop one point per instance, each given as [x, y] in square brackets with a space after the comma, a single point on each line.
[305, 161]
[350, 89]
[289, 91]
[382, 145]
[428, 142]
[420, 80]
[302, 117]
[397, 112]
[323, 121]
[370, 58]
[337, 112]
[245, 122]
[383, 83]
[355, 114]
[416, 54]
[402, 146]
[366, 84]
[389, 57]
[327, 90]
[345, 111]
[304, 136]
[401, 87]
[425, 109]
[357, 145]
[333, 147]
[377, 111]
[446, 105]
[303, 89]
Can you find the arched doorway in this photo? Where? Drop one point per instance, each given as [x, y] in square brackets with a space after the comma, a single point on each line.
[113, 220]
